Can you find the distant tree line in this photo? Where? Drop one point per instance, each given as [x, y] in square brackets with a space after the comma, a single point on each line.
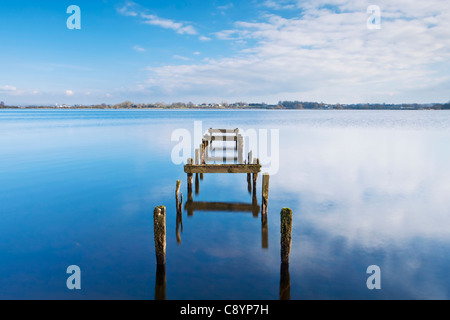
[300, 105]
[282, 105]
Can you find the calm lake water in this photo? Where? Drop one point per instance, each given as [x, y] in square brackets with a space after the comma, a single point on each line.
[366, 188]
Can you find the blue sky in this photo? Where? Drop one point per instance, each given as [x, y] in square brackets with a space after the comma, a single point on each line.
[217, 51]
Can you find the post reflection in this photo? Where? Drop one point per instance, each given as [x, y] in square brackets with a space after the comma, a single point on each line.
[179, 206]
[285, 282]
[160, 282]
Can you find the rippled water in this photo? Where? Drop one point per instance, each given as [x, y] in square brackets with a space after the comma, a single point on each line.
[78, 187]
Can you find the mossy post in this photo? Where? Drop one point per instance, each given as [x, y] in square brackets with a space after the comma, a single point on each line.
[286, 234]
[197, 184]
[240, 143]
[190, 180]
[177, 191]
[197, 157]
[159, 222]
[202, 153]
[249, 175]
[265, 193]
[255, 176]
[265, 200]
[179, 205]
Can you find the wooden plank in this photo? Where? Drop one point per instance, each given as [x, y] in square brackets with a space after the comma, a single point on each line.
[223, 168]
[221, 206]
[224, 130]
[217, 159]
[220, 138]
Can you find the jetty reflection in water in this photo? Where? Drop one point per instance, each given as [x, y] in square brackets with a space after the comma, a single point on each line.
[191, 206]
[229, 207]
[204, 206]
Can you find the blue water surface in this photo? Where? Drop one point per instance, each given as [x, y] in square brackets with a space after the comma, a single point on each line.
[78, 187]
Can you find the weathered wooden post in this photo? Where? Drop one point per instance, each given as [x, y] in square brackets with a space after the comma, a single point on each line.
[190, 180]
[177, 191]
[264, 224]
[159, 223]
[265, 193]
[255, 176]
[240, 149]
[249, 175]
[197, 157]
[210, 138]
[197, 184]
[202, 154]
[286, 234]
[179, 206]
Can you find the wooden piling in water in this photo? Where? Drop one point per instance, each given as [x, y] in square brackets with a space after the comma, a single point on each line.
[197, 157]
[159, 223]
[240, 149]
[286, 234]
[265, 193]
[179, 205]
[249, 176]
[190, 180]
[177, 190]
[202, 154]
[197, 184]
[255, 175]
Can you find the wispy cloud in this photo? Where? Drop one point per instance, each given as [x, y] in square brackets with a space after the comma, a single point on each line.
[204, 38]
[178, 57]
[7, 89]
[327, 53]
[139, 49]
[132, 9]
[128, 9]
[280, 4]
[226, 6]
[179, 27]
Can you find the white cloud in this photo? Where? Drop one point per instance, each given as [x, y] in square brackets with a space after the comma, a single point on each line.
[69, 93]
[226, 6]
[204, 38]
[133, 9]
[181, 57]
[279, 5]
[169, 24]
[139, 49]
[127, 9]
[7, 89]
[327, 54]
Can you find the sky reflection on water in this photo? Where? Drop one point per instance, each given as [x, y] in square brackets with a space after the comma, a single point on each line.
[79, 187]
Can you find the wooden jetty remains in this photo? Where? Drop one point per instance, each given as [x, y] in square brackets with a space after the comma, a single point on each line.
[205, 162]
[201, 164]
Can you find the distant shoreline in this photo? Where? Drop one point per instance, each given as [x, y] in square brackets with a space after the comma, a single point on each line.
[282, 105]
